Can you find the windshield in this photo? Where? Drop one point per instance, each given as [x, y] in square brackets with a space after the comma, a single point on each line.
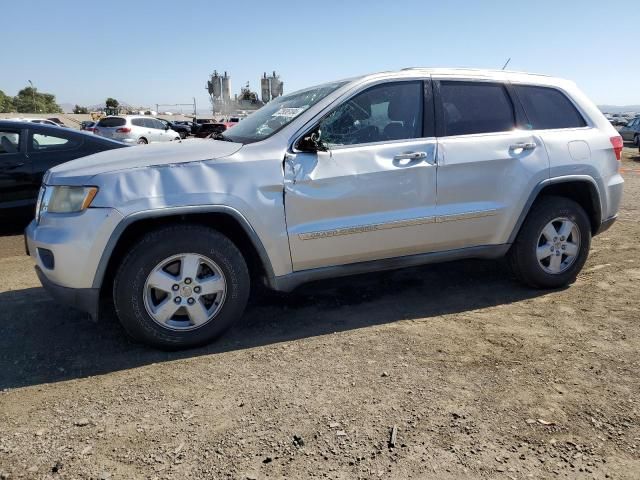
[278, 113]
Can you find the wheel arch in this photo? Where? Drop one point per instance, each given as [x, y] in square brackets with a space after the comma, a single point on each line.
[582, 189]
[224, 219]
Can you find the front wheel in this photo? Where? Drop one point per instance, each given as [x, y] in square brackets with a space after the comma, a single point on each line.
[180, 287]
[553, 243]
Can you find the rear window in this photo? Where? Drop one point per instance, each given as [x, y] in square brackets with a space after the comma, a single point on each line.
[110, 122]
[475, 107]
[548, 108]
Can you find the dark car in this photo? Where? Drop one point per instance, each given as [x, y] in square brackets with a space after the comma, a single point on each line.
[208, 129]
[28, 150]
[183, 130]
[87, 126]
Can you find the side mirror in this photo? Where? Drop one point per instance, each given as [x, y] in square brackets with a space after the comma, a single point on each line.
[166, 127]
[312, 142]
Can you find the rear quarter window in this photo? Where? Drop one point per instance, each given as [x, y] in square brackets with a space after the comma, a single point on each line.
[111, 122]
[548, 108]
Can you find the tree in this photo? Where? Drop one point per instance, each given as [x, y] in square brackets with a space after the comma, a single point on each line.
[29, 100]
[79, 109]
[111, 103]
[6, 103]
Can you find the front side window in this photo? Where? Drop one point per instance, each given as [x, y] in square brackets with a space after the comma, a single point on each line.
[9, 142]
[387, 112]
[475, 107]
[548, 108]
[278, 113]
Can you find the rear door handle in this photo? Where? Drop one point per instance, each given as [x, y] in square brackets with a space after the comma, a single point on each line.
[410, 156]
[12, 166]
[523, 146]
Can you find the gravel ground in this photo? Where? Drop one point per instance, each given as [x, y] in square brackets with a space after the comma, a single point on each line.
[476, 376]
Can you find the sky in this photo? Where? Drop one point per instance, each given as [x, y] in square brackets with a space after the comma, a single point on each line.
[147, 52]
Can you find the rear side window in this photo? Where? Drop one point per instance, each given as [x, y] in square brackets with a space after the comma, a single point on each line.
[548, 108]
[41, 142]
[475, 107]
[138, 122]
[111, 122]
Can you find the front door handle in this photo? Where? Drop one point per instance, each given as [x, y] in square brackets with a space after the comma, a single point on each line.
[523, 146]
[410, 156]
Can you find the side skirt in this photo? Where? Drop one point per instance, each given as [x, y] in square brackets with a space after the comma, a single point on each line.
[289, 282]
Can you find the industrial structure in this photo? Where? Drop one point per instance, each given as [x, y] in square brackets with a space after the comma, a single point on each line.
[219, 89]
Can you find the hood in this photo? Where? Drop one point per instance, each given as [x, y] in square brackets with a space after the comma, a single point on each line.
[140, 156]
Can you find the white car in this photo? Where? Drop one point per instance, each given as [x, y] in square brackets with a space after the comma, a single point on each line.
[135, 129]
[43, 121]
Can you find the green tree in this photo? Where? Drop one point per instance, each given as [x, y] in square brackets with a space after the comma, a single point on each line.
[79, 109]
[6, 103]
[111, 103]
[29, 100]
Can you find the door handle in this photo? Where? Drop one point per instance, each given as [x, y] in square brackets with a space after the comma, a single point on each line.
[523, 146]
[12, 166]
[410, 156]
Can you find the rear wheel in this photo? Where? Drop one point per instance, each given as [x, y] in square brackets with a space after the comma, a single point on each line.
[553, 244]
[180, 287]
[142, 141]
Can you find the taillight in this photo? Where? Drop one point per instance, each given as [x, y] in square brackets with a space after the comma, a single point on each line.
[617, 146]
[124, 130]
[95, 130]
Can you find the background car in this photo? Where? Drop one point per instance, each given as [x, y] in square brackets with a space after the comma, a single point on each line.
[135, 129]
[87, 126]
[42, 121]
[28, 150]
[206, 130]
[183, 130]
[631, 132]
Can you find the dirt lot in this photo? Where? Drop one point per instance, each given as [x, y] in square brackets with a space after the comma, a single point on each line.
[482, 377]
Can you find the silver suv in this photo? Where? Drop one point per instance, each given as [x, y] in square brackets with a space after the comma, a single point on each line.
[135, 129]
[377, 172]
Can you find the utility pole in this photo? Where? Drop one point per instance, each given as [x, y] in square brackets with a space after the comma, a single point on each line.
[33, 97]
[195, 111]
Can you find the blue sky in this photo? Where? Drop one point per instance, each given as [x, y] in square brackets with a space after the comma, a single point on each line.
[147, 52]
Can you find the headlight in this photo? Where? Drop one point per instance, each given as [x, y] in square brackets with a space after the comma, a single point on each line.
[60, 199]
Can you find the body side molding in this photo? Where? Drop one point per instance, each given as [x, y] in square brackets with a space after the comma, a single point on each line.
[289, 282]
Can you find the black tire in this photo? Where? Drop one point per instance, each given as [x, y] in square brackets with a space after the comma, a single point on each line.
[142, 141]
[522, 255]
[183, 135]
[153, 248]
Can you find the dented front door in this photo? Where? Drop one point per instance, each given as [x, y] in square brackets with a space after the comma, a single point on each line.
[359, 203]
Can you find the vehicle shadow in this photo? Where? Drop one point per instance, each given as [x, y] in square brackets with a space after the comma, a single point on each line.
[14, 225]
[42, 342]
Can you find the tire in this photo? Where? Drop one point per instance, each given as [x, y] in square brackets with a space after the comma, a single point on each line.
[183, 135]
[135, 298]
[532, 241]
[176, 139]
[142, 141]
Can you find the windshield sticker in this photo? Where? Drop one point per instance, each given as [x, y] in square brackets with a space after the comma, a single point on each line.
[289, 112]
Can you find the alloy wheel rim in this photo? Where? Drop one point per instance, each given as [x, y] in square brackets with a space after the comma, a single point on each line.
[184, 292]
[558, 245]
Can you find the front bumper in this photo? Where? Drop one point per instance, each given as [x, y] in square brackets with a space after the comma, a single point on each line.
[83, 299]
